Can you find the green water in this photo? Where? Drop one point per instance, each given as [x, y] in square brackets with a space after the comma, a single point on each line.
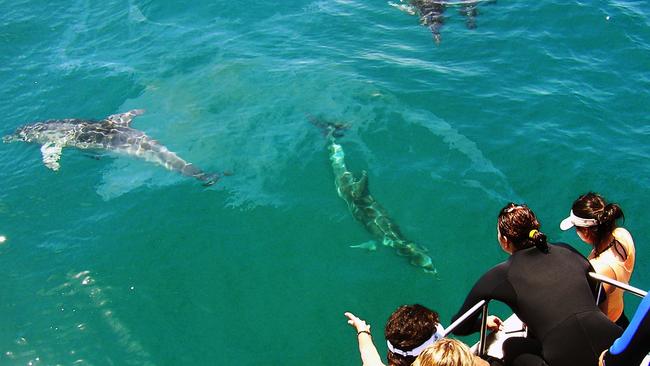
[116, 261]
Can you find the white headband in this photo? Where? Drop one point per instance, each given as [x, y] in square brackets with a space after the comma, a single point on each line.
[417, 350]
[574, 220]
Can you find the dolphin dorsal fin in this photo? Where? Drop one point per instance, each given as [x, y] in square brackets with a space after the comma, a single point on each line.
[360, 187]
[124, 119]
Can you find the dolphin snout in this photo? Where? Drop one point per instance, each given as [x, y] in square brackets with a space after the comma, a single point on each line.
[9, 138]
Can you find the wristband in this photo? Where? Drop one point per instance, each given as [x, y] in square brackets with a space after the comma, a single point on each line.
[364, 331]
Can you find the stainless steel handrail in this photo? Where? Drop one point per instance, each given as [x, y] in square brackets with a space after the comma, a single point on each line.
[636, 291]
[482, 342]
[462, 318]
[483, 305]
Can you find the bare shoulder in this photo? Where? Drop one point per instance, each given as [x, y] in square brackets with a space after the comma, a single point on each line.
[604, 268]
[624, 237]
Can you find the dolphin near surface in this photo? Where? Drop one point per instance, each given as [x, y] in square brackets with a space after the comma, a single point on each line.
[113, 133]
[431, 12]
[363, 205]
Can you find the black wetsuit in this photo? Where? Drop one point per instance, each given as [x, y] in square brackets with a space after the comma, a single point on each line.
[554, 296]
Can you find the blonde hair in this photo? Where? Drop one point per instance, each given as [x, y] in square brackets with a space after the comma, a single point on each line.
[445, 352]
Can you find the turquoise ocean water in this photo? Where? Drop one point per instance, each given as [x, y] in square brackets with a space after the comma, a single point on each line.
[115, 261]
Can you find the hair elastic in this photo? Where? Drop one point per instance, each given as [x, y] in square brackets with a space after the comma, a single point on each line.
[532, 233]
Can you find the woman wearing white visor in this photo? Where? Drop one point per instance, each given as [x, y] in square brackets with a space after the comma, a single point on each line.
[613, 250]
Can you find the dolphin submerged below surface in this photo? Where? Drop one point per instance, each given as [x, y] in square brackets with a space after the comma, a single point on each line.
[432, 12]
[363, 205]
[114, 133]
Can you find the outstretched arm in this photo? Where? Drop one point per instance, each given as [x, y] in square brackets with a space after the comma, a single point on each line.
[367, 349]
[492, 285]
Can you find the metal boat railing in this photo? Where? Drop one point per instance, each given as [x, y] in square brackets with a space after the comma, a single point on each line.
[462, 318]
[631, 289]
[483, 306]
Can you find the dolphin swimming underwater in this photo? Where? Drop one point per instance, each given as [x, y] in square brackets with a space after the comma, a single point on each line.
[112, 133]
[363, 205]
[431, 12]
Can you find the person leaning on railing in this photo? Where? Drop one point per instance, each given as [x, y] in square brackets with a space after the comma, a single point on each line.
[549, 288]
[613, 252]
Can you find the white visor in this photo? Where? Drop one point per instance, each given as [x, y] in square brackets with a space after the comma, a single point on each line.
[417, 350]
[574, 220]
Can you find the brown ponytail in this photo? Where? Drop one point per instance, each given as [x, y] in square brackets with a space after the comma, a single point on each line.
[610, 214]
[593, 206]
[538, 239]
[519, 225]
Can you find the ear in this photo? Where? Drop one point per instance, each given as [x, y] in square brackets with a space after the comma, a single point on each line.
[502, 239]
[505, 244]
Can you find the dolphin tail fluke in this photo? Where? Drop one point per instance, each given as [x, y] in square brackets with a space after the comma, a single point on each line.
[209, 179]
[329, 129]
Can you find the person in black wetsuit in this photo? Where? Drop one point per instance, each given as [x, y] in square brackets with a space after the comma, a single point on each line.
[549, 289]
